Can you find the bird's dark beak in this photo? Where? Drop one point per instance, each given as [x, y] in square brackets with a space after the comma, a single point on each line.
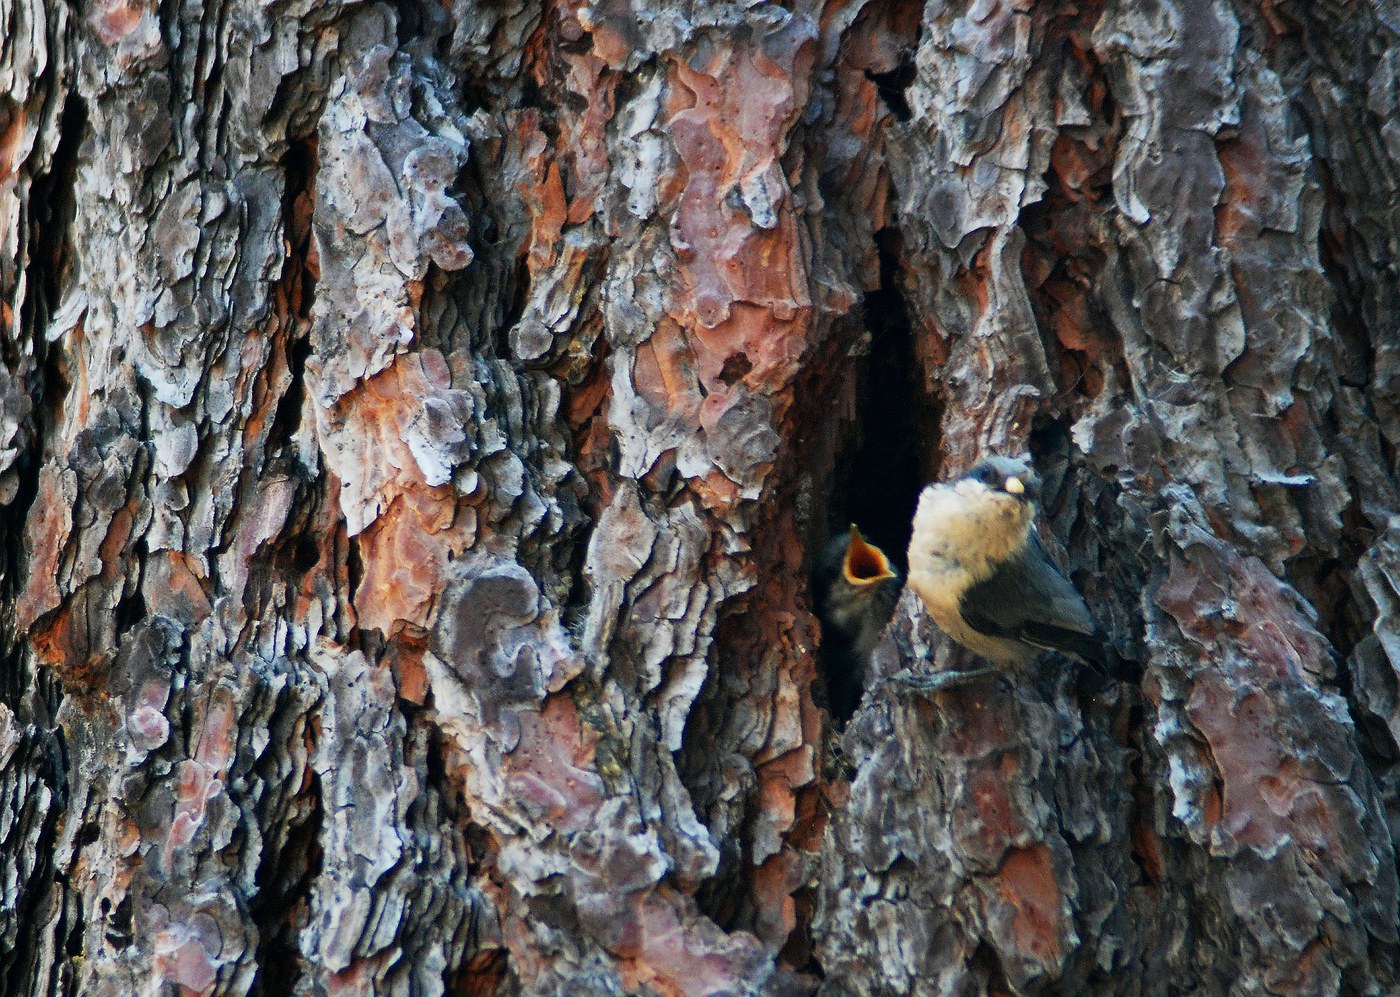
[865, 564]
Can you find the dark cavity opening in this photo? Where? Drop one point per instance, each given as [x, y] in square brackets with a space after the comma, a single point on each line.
[891, 86]
[879, 467]
[879, 479]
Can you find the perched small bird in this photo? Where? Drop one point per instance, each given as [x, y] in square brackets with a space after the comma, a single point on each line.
[977, 563]
[854, 589]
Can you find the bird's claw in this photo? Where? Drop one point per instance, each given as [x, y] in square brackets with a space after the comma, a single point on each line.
[938, 681]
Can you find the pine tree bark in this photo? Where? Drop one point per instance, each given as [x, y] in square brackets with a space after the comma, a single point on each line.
[416, 421]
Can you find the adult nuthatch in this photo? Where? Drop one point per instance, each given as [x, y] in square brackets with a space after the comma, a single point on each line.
[977, 563]
[854, 589]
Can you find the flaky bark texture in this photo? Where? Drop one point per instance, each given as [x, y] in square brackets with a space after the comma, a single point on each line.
[416, 419]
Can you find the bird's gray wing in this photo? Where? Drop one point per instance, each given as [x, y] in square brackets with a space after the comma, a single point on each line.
[1030, 600]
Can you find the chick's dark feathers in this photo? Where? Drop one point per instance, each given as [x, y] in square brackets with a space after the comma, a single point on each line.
[854, 591]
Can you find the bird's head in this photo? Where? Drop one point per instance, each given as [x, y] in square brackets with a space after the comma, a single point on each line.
[1009, 478]
[865, 564]
[989, 509]
[966, 527]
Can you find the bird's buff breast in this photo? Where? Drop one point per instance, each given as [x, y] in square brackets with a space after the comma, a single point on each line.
[964, 530]
[961, 532]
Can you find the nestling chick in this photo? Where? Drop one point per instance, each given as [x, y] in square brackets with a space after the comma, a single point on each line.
[854, 589]
[977, 563]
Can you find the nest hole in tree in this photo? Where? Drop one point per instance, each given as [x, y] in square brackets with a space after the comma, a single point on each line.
[879, 466]
[881, 472]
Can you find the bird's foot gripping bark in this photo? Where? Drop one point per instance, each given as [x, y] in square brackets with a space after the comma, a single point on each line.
[927, 682]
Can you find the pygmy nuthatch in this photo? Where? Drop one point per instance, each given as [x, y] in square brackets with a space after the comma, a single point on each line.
[977, 563]
[854, 589]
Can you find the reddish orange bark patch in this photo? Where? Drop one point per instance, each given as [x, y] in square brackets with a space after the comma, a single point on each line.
[747, 283]
[405, 553]
[1147, 848]
[999, 821]
[980, 729]
[774, 882]
[1212, 806]
[583, 145]
[406, 549]
[542, 197]
[1275, 635]
[182, 958]
[974, 282]
[362, 976]
[50, 520]
[171, 587]
[681, 957]
[405, 658]
[664, 373]
[810, 816]
[116, 20]
[1027, 882]
[12, 119]
[1062, 257]
[61, 643]
[1314, 971]
[1249, 181]
[553, 764]
[1266, 795]
[484, 975]
[716, 491]
[116, 538]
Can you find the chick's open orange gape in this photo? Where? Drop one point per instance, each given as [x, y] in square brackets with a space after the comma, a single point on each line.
[854, 590]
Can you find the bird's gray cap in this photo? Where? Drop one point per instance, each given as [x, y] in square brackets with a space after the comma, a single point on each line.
[997, 472]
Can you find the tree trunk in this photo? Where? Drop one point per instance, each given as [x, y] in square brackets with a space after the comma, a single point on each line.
[416, 421]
